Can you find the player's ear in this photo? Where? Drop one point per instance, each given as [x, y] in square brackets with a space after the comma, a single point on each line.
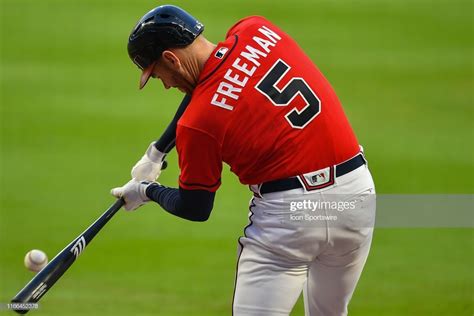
[171, 59]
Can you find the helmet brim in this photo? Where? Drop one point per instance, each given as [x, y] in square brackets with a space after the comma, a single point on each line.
[146, 74]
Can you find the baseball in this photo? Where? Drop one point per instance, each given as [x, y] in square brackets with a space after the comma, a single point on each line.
[35, 260]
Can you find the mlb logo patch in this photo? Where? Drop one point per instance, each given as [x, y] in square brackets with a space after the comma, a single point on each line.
[198, 27]
[221, 52]
[317, 179]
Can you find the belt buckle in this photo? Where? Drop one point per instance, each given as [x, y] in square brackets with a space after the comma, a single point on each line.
[318, 179]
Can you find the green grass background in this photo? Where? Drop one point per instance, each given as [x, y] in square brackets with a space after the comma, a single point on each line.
[73, 123]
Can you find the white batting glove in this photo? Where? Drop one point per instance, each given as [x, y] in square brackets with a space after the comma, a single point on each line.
[148, 168]
[133, 193]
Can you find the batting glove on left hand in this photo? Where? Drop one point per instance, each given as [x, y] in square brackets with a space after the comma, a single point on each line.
[150, 165]
[133, 193]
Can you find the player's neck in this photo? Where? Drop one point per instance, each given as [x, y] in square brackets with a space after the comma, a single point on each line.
[199, 53]
[204, 50]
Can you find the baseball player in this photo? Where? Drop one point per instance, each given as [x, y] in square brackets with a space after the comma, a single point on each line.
[256, 102]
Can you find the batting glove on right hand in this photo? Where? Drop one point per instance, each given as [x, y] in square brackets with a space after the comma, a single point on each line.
[148, 168]
[134, 194]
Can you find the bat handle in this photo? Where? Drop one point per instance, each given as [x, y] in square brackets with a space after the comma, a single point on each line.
[117, 205]
[114, 208]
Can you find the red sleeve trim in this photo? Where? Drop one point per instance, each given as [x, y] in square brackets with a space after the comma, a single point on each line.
[199, 186]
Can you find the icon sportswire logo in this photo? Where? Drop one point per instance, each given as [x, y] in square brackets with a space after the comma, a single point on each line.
[78, 246]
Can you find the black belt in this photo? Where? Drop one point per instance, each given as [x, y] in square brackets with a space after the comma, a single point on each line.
[294, 183]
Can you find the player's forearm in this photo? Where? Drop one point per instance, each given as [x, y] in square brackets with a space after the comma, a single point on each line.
[193, 205]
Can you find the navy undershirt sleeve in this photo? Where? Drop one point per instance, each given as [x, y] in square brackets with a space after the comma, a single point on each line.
[193, 205]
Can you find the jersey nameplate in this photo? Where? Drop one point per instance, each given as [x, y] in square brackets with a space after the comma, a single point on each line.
[243, 68]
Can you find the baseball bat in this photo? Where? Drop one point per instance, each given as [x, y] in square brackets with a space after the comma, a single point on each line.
[167, 140]
[47, 277]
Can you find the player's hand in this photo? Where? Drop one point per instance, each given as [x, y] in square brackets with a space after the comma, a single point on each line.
[134, 194]
[149, 167]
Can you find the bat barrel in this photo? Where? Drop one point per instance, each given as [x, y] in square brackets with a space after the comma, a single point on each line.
[46, 278]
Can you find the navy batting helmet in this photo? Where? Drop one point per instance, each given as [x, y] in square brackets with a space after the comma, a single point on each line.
[163, 27]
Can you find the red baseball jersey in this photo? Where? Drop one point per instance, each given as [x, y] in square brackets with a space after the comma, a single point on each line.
[262, 107]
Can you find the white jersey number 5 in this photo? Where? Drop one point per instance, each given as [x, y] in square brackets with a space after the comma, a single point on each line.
[283, 97]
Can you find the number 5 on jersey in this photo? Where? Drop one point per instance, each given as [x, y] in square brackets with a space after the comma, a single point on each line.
[267, 86]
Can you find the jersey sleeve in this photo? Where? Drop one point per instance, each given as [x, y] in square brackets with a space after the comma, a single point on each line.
[200, 159]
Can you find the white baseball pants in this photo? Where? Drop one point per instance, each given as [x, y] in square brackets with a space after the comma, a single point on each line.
[288, 248]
